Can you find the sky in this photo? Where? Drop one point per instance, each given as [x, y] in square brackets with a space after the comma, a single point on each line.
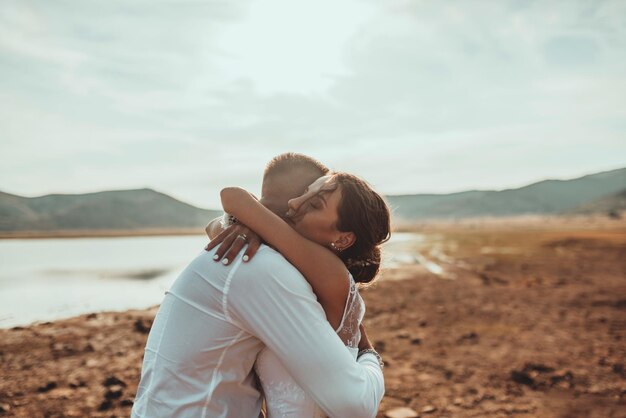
[187, 97]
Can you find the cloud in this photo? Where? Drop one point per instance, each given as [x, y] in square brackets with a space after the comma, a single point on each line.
[415, 96]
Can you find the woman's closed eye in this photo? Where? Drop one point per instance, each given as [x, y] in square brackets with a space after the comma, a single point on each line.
[317, 202]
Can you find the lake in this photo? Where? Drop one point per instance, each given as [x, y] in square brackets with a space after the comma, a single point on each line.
[48, 279]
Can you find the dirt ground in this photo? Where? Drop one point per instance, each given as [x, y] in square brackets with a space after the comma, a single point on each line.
[522, 319]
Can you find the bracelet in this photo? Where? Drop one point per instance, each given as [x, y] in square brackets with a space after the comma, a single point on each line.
[228, 220]
[381, 363]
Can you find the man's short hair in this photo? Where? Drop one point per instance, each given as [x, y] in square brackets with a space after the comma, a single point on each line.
[289, 161]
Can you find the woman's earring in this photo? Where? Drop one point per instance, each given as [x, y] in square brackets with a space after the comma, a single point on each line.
[334, 247]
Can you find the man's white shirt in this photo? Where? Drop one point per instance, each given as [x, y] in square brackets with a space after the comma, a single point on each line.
[214, 321]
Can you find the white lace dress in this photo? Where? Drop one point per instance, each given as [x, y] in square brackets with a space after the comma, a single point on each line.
[283, 397]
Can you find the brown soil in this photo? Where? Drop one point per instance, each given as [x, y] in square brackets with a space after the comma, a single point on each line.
[526, 321]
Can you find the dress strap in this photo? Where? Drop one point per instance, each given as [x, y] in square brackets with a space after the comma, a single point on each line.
[349, 299]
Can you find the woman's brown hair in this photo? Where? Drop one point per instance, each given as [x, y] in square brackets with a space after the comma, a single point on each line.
[365, 213]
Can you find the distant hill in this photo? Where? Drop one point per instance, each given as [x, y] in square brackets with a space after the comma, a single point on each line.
[123, 210]
[611, 204]
[544, 197]
[149, 209]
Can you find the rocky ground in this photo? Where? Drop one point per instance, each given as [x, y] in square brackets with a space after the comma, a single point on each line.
[522, 320]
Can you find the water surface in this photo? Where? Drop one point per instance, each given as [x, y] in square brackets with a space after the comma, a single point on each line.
[47, 279]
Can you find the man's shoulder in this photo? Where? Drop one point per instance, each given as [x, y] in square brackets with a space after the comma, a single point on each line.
[269, 268]
[268, 258]
[265, 282]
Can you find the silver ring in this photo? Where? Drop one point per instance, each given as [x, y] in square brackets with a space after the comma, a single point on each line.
[243, 237]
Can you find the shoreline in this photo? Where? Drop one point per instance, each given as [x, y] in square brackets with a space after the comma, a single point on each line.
[71, 317]
[538, 222]
[108, 233]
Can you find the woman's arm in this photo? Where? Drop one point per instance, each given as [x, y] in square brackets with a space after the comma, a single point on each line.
[324, 271]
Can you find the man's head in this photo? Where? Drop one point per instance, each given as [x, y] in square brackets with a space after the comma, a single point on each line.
[287, 176]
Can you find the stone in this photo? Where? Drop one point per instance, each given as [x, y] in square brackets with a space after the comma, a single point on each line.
[389, 402]
[126, 402]
[618, 368]
[106, 404]
[77, 383]
[428, 409]
[112, 381]
[522, 378]
[143, 326]
[58, 347]
[537, 367]
[423, 377]
[471, 337]
[62, 393]
[114, 392]
[403, 335]
[47, 387]
[402, 412]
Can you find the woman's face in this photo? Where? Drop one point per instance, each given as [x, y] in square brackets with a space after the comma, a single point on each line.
[314, 214]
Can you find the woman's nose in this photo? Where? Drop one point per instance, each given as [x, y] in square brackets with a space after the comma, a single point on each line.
[294, 204]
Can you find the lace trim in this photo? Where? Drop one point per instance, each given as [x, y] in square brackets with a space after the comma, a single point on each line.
[347, 304]
[354, 311]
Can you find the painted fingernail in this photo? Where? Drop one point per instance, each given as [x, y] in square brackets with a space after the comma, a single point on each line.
[246, 258]
[225, 261]
[216, 257]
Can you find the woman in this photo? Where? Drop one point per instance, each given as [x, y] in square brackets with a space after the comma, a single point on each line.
[332, 235]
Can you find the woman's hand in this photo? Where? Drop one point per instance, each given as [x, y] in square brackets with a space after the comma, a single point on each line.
[364, 344]
[231, 241]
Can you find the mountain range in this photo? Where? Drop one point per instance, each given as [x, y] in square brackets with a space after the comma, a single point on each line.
[119, 210]
[548, 197]
[603, 192]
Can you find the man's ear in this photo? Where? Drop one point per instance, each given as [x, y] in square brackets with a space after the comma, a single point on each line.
[345, 240]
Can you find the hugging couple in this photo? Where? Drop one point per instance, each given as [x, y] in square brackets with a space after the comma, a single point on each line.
[275, 331]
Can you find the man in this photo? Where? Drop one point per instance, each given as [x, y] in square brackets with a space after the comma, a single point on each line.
[216, 318]
[285, 176]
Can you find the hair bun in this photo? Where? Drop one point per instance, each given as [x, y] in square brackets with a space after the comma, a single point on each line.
[364, 268]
